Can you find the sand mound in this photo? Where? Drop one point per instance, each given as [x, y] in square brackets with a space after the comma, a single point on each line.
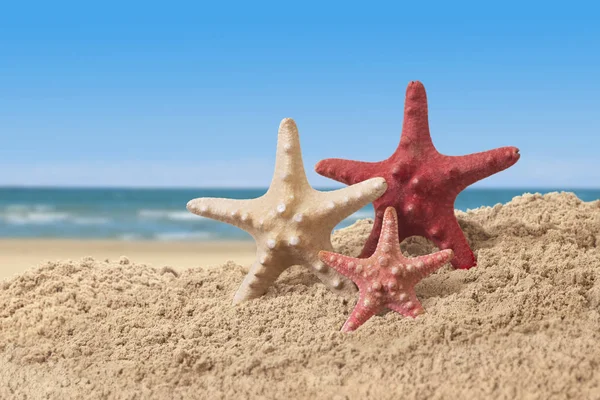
[525, 323]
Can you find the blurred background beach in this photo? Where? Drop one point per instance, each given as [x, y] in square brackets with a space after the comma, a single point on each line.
[191, 97]
[149, 225]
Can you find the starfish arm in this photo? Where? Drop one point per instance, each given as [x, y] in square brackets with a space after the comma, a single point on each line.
[230, 211]
[345, 171]
[465, 170]
[258, 280]
[415, 129]
[341, 203]
[409, 306]
[447, 234]
[373, 239]
[389, 232]
[289, 167]
[364, 309]
[428, 264]
[337, 282]
[343, 264]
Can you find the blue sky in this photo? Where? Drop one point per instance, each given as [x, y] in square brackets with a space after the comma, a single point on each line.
[177, 94]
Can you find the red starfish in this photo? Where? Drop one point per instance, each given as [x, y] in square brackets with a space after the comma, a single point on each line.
[387, 278]
[422, 183]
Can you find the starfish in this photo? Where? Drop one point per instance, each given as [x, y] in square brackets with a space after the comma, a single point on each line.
[292, 221]
[423, 184]
[387, 278]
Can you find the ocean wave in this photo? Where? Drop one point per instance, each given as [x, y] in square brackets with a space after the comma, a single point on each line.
[362, 214]
[34, 218]
[90, 220]
[21, 217]
[168, 214]
[176, 236]
[13, 208]
[130, 237]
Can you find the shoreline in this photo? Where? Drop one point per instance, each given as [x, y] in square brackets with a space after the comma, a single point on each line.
[19, 255]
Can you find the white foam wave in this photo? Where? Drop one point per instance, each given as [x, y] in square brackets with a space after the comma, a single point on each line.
[14, 208]
[130, 236]
[34, 218]
[176, 236]
[168, 214]
[361, 215]
[90, 220]
[28, 217]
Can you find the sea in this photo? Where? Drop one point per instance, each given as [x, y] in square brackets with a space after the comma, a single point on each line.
[160, 214]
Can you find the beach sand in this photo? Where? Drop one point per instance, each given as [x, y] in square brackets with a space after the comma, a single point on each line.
[524, 323]
[18, 255]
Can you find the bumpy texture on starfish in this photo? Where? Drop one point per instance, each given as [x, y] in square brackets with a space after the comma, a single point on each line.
[292, 221]
[422, 183]
[387, 278]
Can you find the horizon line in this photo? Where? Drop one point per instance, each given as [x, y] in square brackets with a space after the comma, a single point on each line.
[120, 187]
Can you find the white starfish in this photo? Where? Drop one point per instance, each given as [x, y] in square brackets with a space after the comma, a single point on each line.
[292, 222]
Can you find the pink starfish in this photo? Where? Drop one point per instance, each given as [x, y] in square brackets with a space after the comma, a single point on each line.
[422, 183]
[387, 278]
